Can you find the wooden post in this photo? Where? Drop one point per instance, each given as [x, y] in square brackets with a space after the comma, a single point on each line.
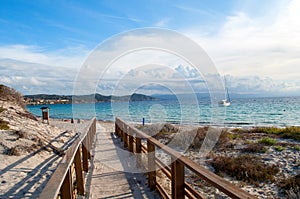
[177, 169]
[121, 134]
[130, 143]
[138, 150]
[85, 157]
[78, 170]
[151, 165]
[125, 139]
[66, 188]
[116, 129]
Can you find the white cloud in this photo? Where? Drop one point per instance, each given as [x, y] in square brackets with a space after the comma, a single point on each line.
[247, 45]
[33, 78]
[70, 56]
[162, 23]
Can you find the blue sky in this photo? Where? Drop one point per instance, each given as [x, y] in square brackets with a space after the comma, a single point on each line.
[255, 43]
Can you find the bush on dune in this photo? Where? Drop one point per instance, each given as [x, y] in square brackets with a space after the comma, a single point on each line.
[245, 167]
[3, 125]
[292, 132]
[10, 94]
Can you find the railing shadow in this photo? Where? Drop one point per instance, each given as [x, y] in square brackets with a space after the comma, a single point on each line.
[34, 177]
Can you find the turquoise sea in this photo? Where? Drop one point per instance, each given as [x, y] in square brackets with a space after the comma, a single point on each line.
[277, 111]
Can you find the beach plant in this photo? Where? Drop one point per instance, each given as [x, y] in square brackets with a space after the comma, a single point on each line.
[291, 186]
[292, 132]
[248, 168]
[2, 109]
[10, 94]
[279, 148]
[267, 141]
[297, 148]
[233, 136]
[13, 151]
[255, 148]
[3, 125]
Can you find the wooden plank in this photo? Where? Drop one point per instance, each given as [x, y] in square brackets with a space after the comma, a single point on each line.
[66, 188]
[191, 192]
[161, 191]
[151, 166]
[85, 162]
[79, 175]
[177, 169]
[165, 169]
[138, 145]
[52, 188]
[138, 150]
[125, 139]
[130, 143]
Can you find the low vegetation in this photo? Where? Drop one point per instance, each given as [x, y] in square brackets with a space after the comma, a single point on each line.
[279, 148]
[297, 148]
[255, 148]
[247, 168]
[13, 151]
[267, 141]
[2, 109]
[291, 186]
[10, 94]
[292, 132]
[3, 125]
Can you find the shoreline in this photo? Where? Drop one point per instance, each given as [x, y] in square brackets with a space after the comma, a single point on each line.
[239, 125]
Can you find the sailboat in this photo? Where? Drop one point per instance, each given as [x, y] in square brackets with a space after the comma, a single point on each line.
[226, 101]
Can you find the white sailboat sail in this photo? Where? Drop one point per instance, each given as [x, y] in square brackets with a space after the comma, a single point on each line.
[226, 101]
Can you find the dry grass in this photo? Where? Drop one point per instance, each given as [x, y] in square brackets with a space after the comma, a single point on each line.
[254, 148]
[13, 151]
[267, 141]
[223, 142]
[2, 109]
[291, 186]
[292, 132]
[10, 94]
[247, 168]
[3, 125]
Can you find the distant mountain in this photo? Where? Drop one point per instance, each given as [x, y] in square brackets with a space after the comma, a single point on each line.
[206, 96]
[63, 99]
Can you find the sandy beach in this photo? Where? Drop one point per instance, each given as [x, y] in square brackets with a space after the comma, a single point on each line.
[24, 175]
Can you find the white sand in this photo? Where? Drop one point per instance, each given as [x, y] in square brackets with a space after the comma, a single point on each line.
[25, 176]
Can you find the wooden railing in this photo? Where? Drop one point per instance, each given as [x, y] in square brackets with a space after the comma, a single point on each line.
[64, 183]
[132, 139]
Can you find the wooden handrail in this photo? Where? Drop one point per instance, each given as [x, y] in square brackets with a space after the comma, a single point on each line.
[61, 181]
[180, 188]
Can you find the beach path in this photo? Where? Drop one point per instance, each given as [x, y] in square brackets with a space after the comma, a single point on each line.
[113, 172]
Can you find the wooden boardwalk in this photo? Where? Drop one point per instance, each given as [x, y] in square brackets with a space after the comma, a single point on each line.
[107, 178]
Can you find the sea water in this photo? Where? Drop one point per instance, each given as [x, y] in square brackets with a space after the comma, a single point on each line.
[278, 111]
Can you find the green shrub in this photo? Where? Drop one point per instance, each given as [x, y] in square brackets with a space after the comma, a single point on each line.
[255, 148]
[279, 148]
[291, 183]
[297, 148]
[292, 132]
[2, 109]
[3, 125]
[233, 136]
[267, 141]
[245, 167]
[13, 151]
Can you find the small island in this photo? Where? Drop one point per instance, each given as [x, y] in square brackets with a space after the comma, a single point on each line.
[40, 99]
